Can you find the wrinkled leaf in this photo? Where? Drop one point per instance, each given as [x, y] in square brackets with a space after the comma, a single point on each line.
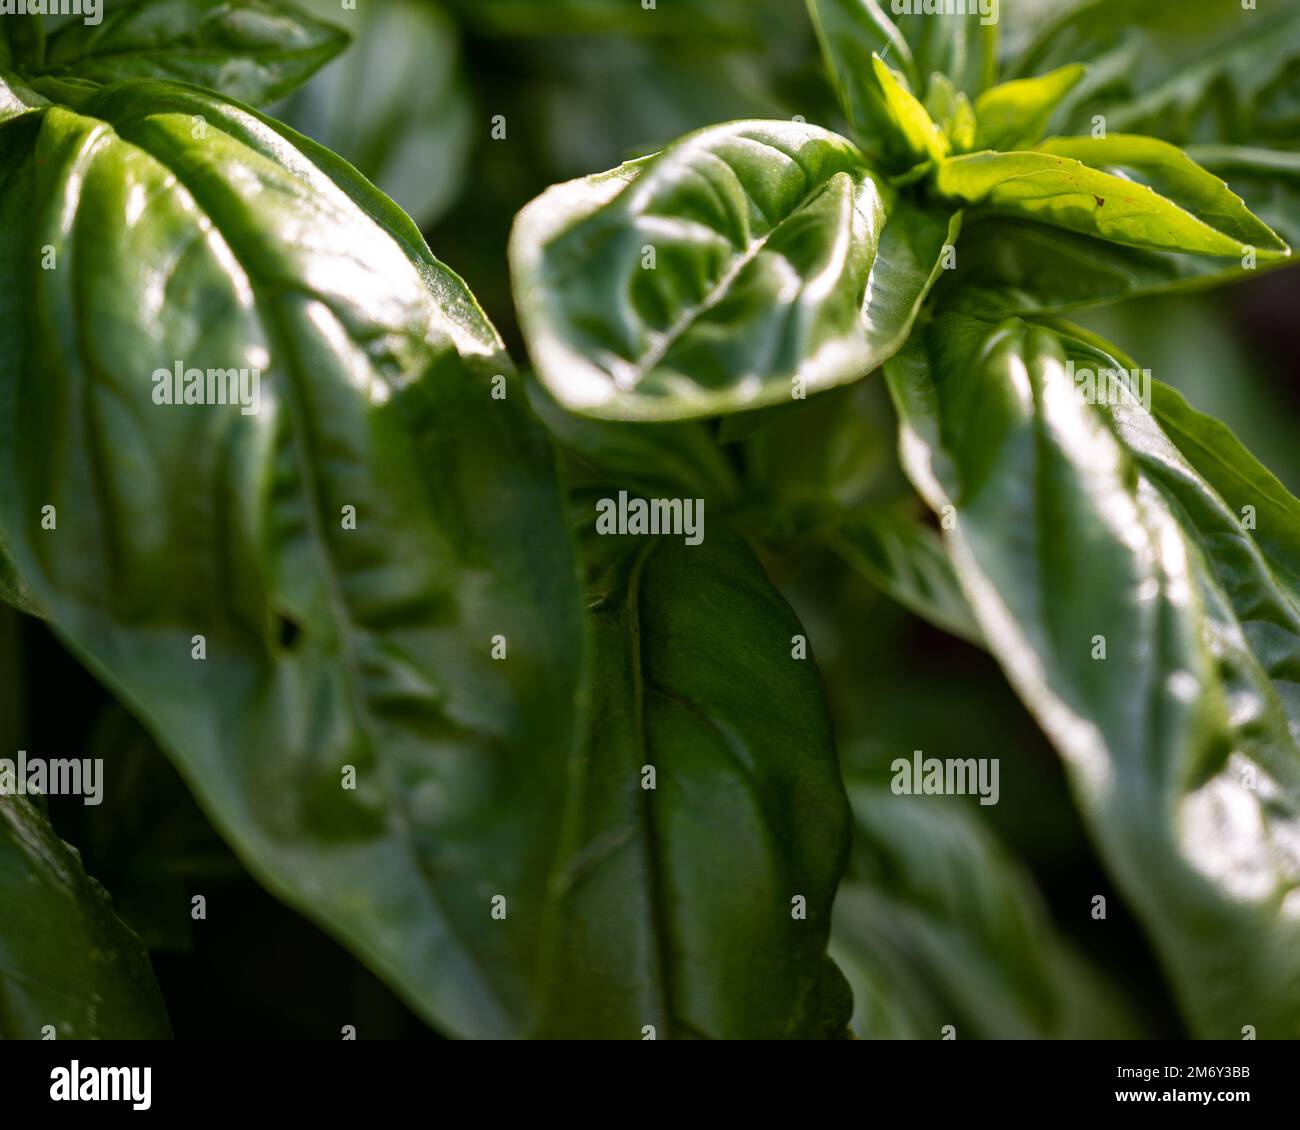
[1014, 115]
[708, 278]
[938, 925]
[327, 647]
[1058, 189]
[253, 50]
[675, 908]
[1079, 529]
[66, 960]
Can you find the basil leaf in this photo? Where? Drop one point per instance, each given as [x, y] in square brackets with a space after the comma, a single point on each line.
[1175, 176]
[1183, 70]
[1176, 742]
[1247, 523]
[1009, 266]
[676, 906]
[1268, 181]
[394, 104]
[939, 925]
[329, 644]
[1061, 190]
[907, 561]
[1014, 115]
[253, 50]
[66, 961]
[708, 278]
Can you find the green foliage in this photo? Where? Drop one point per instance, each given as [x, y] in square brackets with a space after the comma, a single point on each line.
[548, 779]
[1160, 691]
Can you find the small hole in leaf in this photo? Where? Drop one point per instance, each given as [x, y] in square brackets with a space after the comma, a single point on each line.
[288, 630]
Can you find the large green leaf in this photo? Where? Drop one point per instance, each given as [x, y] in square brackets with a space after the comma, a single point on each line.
[186, 229]
[708, 278]
[254, 50]
[1183, 70]
[677, 905]
[66, 961]
[1018, 266]
[1157, 198]
[1079, 528]
[939, 925]
[394, 104]
[1247, 523]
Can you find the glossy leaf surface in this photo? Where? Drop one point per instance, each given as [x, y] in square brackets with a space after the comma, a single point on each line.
[744, 264]
[290, 596]
[1119, 593]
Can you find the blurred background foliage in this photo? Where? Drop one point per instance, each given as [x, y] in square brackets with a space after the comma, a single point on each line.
[950, 909]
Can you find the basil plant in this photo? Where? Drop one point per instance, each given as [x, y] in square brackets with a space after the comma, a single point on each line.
[441, 640]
